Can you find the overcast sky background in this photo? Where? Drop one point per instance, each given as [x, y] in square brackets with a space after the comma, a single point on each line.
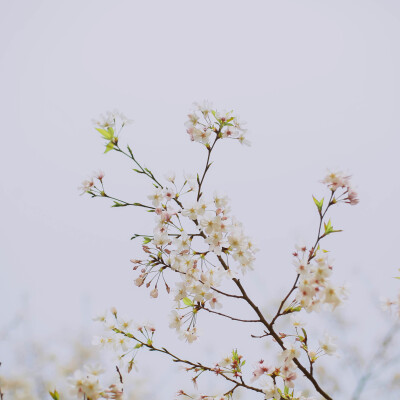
[317, 82]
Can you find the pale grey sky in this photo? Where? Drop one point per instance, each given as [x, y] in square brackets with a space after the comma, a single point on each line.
[317, 82]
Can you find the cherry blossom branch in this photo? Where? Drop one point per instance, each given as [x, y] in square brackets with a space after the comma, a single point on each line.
[223, 235]
[305, 348]
[193, 365]
[261, 336]
[269, 326]
[228, 316]
[117, 202]
[142, 170]
[322, 216]
[236, 296]
[279, 313]
[272, 332]
[312, 252]
[230, 392]
[199, 280]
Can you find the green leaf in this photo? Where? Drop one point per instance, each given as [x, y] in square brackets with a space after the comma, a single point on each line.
[117, 204]
[292, 310]
[55, 395]
[109, 147]
[146, 240]
[319, 204]
[329, 228]
[107, 134]
[138, 346]
[187, 301]
[235, 355]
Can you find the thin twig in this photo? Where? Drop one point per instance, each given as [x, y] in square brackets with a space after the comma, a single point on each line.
[120, 375]
[228, 316]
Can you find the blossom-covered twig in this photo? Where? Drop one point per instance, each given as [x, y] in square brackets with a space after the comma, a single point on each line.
[195, 366]
[218, 251]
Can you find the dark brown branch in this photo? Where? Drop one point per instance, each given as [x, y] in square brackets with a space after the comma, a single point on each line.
[278, 314]
[228, 316]
[260, 336]
[120, 375]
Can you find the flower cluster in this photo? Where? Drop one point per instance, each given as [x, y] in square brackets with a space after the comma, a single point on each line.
[111, 119]
[110, 126]
[89, 186]
[286, 368]
[191, 239]
[315, 288]
[336, 180]
[117, 338]
[87, 383]
[231, 364]
[206, 124]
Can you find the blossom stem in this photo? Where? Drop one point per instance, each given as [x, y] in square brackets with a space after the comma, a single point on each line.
[142, 170]
[180, 360]
[123, 203]
[208, 165]
[228, 316]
